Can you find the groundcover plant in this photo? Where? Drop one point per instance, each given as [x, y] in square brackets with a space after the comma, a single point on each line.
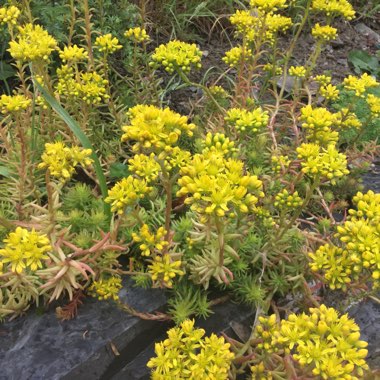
[253, 195]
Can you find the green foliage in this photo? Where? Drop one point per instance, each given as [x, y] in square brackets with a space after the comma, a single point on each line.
[187, 301]
[365, 62]
[248, 290]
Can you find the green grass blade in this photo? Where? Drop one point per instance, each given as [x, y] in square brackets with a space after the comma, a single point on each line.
[72, 124]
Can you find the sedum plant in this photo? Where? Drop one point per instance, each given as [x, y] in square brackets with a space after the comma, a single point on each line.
[237, 199]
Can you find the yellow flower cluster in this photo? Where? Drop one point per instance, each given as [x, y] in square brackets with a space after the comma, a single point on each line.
[218, 92]
[218, 185]
[320, 162]
[347, 119]
[324, 32]
[329, 92]
[243, 20]
[297, 71]
[33, 43]
[374, 104]
[14, 103]
[177, 55]
[248, 121]
[318, 123]
[163, 270]
[323, 80]
[270, 68]
[326, 344]
[219, 143]
[127, 192]
[61, 160]
[24, 249]
[360, 85]
[268, 6]
[187, 354]
[334, 8]
[275, 23]
[251, 25]
[105, 289]
[107, 44]
[284, 200]
[145, 166]
[91, 86]
[73, 54]
[174, 158]
[335, 264]
[9, 15]
[155, 128]
[360, 236]
[150, 242]
[279, 162]
[137, 35]
[237, 55]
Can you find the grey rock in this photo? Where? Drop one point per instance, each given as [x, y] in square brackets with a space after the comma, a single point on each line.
[337, 43]
[39, 347]
[224, 320]
[368, 32]
[367, 316]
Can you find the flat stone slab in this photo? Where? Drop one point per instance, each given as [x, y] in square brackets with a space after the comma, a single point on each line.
[228, 318]
[37, 347]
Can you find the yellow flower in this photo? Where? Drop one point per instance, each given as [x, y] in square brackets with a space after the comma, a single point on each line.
[359, 85]
[145, 166]
[237, 55]
[33, 43]
[335, 263]
[334, 8]
[318, 123]
[250, 24]
[137, 35]
[185, 354]
[163, 270]
[276, 23]
[374, 104]
[320, 162]
[248, 121]
[9, 15]
[284, 200]
[243, 20]
[218, 186]
[177, 55]
[107, 44]
[155, 129]
[91, 86]
[24, 249]
[218, 91]
[359, 255]
[323, 80]
[297, 71]
[279, 163]
[105, 289]
[324, 33]
[268, 6]
[127, 192]
[150, 242]
[329, 92]
[61, 160]
[325, 344]
[218, 143]
[14, 104]
[73, 54]
[272, 69]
